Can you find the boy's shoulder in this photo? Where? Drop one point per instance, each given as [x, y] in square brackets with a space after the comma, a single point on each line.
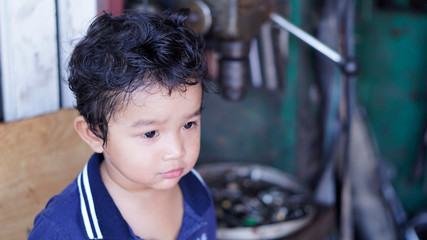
[60, 219]
[74, 213]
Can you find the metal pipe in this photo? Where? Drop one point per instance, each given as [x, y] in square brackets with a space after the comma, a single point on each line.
[307, 38]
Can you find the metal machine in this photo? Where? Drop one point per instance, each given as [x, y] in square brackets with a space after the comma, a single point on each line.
[232, 25]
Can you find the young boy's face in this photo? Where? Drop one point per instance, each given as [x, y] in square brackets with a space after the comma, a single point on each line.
[155, 139]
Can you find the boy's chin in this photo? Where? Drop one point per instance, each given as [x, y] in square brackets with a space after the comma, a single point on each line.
[167, 184]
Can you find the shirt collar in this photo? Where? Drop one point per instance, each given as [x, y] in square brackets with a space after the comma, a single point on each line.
[100, 214]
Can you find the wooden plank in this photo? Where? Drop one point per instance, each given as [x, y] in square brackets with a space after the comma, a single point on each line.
[39, 157]
[28, 58]
[74, 17]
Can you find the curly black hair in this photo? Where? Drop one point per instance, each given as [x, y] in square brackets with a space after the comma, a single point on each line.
[121, 54]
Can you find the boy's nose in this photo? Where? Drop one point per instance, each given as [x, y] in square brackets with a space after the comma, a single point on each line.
[174, 148]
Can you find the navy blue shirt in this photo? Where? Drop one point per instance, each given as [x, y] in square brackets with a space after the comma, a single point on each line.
[85, 210]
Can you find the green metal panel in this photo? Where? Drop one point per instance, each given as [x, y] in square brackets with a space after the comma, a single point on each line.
[392, 50]
[250, 130]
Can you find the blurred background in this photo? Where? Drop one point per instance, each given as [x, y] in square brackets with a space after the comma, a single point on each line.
[347, 124]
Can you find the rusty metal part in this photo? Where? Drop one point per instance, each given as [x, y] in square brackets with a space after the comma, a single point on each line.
[200, 19]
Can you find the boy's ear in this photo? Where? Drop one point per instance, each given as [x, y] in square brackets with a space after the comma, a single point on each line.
[82, 128]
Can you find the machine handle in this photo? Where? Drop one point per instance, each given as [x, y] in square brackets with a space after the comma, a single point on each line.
[349, 66]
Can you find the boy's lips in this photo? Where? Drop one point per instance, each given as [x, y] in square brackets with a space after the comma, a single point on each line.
[173, 173]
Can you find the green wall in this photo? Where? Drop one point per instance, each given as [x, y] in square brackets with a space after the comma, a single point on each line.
[392, 50]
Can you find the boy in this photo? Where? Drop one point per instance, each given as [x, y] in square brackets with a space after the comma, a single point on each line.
[138, 81]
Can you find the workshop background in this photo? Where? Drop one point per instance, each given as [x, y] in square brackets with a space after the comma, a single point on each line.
[355, 138]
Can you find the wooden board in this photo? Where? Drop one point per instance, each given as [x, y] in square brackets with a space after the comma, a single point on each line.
[39, 157]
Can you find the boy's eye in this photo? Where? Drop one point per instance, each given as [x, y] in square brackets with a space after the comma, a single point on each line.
[189, 125]
[150, 134]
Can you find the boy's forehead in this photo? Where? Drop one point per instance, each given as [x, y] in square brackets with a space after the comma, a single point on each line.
[158, 91]
[159, 96]
[155, 86]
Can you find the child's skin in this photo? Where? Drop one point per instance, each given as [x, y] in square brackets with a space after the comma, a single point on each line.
[153, 141]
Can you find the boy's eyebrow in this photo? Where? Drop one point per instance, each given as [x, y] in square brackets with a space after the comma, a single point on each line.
[143, 122]
[146, 122]
[196, 113]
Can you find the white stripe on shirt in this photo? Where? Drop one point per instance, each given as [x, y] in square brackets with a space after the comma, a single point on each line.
[84, 210]
[91, 204]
